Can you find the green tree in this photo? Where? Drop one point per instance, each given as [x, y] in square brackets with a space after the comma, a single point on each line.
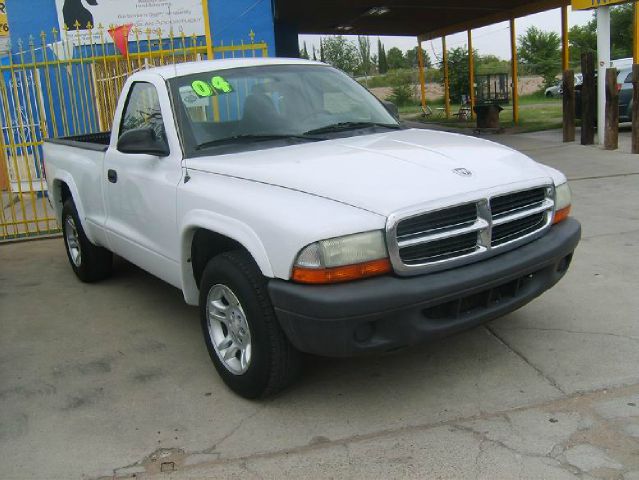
[583, 38]
[412, 60]
[364, 50]
[458, 76]
[396, 59]
[382, 62]
[304, 52]
[341, 53]
[322, 57]
[540, 52]
[403, 91]
[621, 30]
[490, 64]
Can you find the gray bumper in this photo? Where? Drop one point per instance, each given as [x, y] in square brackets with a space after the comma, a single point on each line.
[387, 313]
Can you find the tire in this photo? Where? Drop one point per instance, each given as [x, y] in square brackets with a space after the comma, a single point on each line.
[549, 95]
[260, 361]
[89, 262]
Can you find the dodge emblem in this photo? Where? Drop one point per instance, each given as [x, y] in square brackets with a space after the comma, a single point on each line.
[463, 172]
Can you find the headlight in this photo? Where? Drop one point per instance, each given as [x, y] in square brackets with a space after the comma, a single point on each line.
[342, 259]
[563, 201]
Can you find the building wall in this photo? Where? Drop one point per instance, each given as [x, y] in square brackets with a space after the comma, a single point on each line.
[231, 21]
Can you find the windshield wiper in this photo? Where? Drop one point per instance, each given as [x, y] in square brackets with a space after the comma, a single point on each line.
[255, 138]
[342, 126]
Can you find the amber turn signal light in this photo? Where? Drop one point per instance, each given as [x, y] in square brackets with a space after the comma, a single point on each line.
[342, 274]
[561, 215]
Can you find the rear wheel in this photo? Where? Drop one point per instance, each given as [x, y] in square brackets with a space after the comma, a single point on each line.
[89, 262]
[244, 340]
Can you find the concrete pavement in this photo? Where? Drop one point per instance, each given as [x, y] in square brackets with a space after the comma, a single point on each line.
[114, 379]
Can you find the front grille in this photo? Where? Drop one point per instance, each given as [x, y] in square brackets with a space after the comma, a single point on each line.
[456, 217]
[512, 202]
[516, 229]
[444, 238]
[440, 249]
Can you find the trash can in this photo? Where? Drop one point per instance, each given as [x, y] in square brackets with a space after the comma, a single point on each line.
[488, 115]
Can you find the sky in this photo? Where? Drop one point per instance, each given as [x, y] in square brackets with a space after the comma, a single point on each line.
[494, 39]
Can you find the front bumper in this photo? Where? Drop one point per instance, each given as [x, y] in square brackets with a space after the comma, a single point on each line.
[387, 313]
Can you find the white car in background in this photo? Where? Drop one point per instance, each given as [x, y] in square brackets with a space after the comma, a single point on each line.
[558, 89]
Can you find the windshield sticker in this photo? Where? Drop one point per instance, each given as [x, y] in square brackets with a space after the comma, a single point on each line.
[190, 99]
[215, 86]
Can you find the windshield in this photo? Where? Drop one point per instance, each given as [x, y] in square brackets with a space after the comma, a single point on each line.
[268, 103]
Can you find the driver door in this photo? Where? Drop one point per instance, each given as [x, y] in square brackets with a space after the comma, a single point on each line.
[140, 189]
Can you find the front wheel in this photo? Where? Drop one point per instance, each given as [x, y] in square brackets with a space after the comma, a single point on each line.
[243, 337]
[89, 262]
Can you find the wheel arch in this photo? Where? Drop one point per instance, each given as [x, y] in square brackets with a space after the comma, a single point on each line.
[64, 187]
[206, 234]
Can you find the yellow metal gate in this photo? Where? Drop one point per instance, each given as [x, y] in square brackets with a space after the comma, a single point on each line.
[65, 85]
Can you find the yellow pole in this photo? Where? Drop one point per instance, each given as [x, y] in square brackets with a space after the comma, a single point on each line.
[207, 29]
[446, 78]
[635, 42]
[422, 77]
[515, 71]
[565, 46]
[471, 72]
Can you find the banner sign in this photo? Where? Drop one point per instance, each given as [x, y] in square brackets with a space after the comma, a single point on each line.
[181, 15]
[4, 21]
[588, 4]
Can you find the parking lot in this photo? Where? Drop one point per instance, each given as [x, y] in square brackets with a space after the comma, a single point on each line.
[113, 379]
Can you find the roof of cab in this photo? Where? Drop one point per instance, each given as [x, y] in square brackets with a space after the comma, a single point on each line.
[182, 69]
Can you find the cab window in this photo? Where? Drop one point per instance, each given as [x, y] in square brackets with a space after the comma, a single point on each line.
[142, 110]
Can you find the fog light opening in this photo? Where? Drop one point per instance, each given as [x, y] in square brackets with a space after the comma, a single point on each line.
[364, 332]
[563, 265]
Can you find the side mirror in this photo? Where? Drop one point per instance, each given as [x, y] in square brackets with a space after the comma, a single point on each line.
[392, 108]
[143, 140]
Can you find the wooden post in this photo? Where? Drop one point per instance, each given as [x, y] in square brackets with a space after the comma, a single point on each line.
[588, 98]
[635, 109]
[422, 77]
[515, 71]
[569, 105]
[565, 44]
[611, 135]
[446, 78]
[471, 73]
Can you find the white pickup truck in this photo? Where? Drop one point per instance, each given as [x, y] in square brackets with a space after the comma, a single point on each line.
[290, 204]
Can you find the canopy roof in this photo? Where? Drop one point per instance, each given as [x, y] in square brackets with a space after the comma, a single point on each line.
[424, 18]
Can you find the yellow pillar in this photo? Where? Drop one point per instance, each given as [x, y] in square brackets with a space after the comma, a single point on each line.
[207, 29]
[515, 71]
[635, 42]
[446, 79]
[565, 45]
[422, 77]
[471, 72]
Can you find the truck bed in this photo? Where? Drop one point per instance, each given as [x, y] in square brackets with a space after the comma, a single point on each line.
[90, 141]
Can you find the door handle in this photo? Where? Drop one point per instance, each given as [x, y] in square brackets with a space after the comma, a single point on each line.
[112, 175]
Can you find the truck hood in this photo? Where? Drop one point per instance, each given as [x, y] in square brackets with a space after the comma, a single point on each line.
[384, 172]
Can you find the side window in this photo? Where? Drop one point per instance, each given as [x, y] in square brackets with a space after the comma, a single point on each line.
[142, 110]
[629, 78]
